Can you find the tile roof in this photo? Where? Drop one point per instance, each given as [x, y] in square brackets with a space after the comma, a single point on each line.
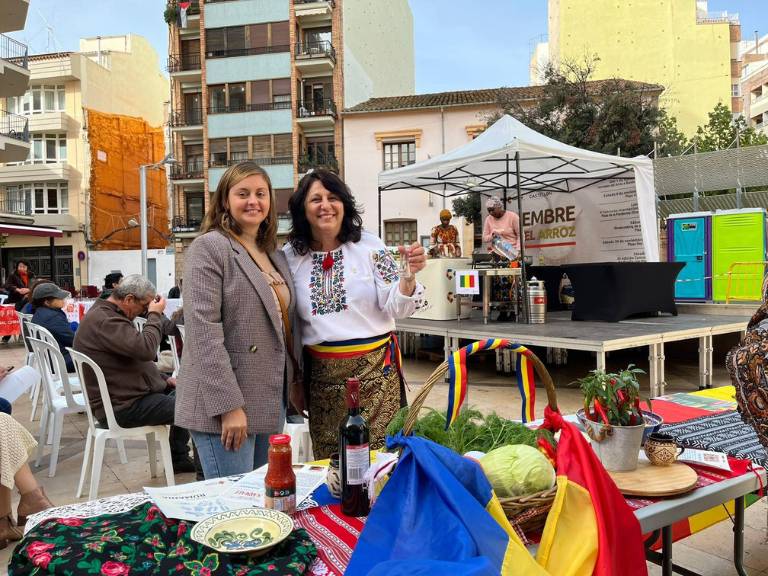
[48, 56]
[485, 96]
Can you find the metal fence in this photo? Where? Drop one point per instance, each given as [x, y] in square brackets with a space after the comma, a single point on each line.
[14, 126]
[13, 51]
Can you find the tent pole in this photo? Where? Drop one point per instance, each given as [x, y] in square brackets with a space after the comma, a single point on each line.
[380, 236]
[523, 275]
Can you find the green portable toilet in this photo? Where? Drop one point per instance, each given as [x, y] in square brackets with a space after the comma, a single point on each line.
[738, 236]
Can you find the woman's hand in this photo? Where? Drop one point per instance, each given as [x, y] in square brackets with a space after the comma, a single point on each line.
[234, 429]
[417, 260]
[296, 397]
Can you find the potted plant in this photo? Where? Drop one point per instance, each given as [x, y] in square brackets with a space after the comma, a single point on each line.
[612, 416]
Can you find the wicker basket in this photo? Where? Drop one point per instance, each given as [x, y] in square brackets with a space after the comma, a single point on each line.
[528, 512]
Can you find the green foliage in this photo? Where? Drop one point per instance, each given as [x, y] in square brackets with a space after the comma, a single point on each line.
[470, 431]
[670, 140]
[469, 207]
[171, 12]
[612, 397]
[722, 129]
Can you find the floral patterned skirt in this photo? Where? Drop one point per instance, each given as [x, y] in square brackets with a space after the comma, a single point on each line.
[143, 541]
[380, 398]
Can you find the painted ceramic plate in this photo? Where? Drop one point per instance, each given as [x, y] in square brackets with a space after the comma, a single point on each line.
[250, 530]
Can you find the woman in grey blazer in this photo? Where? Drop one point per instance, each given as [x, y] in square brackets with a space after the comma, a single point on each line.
[238, 367]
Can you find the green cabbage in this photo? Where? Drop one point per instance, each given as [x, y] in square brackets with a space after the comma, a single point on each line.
[517, 470]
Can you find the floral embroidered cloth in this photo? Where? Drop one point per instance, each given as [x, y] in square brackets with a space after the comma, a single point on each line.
[143, 541]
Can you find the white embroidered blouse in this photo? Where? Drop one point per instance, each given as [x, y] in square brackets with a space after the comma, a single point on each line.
[356, 296]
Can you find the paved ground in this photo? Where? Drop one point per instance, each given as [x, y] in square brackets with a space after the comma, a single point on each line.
[707, 552]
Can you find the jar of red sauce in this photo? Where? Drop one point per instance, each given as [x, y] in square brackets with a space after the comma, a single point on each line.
[280, 481]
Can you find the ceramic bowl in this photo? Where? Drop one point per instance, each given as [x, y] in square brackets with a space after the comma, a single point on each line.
[245, 531]
[652, 423]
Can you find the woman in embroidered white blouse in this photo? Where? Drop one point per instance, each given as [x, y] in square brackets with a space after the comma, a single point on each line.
[349, 291]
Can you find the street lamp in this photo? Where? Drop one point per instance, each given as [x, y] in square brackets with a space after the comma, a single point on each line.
[169, 159]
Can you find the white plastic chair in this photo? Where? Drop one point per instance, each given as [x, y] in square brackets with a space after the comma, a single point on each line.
[31, 359]
[3, 298]
[40, 332]
[139, 322]
[175, 352]
[53, 370]
[301, 442]
[97, 436]
[180, 328]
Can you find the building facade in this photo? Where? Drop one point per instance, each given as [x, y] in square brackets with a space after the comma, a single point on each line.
[52, 185]
[754, 83]
[678, 44]
[14, 79]
[266, 80]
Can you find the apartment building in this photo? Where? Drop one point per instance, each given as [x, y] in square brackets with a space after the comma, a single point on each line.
[678, 44]
[754, 82]
[266, 80]
[74, 108]
[14, 79]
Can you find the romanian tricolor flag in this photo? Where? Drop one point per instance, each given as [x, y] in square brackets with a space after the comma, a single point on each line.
[457, 376]
[449, 521]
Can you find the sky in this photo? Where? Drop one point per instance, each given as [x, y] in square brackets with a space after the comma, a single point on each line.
[459, 45]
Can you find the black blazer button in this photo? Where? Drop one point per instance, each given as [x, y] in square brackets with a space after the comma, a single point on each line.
[254, 348]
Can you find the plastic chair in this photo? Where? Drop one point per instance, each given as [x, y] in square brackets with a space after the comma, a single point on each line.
[139, 322]
[31, 359]
[53, 370]
[175, 352]
[98, 436]
[301, 442]
[181, 332]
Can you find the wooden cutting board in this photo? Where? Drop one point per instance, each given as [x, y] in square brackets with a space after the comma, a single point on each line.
[656, 481]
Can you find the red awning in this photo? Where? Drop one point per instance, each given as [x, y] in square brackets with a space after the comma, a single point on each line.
[20, 230]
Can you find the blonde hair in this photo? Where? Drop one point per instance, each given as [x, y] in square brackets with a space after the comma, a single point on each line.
[219, 218]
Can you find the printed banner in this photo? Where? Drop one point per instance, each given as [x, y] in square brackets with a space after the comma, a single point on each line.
[9, 322]
[598, 223]
[467, 282]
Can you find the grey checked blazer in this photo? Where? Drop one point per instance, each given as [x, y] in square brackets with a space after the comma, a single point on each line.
[234, 352]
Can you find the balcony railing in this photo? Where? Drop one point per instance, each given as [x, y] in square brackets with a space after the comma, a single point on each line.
[13, 51]
[14, 126]
[322, 49]
[717, 17]
[253, 51]
[185, 224]
[250, 107]
[327, 161]
[183, 63]
[759, 99]
[194, 9]
[187, 170]
[331, 2]
[188, 117]
[310, 108]
[18, 206]
[223, 162]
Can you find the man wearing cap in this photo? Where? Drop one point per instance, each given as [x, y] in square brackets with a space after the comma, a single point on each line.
[500, 222]
[47, 303]
[444, 240]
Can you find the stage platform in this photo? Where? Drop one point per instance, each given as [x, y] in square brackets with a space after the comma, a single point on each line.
[599, 337]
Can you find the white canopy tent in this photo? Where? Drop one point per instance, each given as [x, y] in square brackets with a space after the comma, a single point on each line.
[517, 161]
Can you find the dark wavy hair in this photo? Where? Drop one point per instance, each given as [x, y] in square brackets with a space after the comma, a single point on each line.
[300, 235]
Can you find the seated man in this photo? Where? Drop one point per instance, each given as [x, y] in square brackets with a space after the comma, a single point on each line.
[140, 395]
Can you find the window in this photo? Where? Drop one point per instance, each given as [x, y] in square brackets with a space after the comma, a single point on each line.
[47, 149]
[236, 97]
[397, 154]
[215, 41]
[259, 93]
[39, 198]
[194, 208]
[259, 35]
[281, 93]
[280, 34]
[38, 100]
[397, 232]
[218, 151]
[314, 36]
[238, 149]
[246, 40]
[735, 90]
[217, 98]
[283, 146]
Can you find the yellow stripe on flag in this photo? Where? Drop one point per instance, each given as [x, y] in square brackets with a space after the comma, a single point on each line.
[726, 393]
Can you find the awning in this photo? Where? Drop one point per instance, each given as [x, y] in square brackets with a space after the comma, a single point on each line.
[20, 230]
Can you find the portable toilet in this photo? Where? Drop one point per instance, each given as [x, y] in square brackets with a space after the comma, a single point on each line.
[738, 237]
[689, 240]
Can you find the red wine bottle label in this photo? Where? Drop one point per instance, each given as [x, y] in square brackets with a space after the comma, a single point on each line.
[358, 460]
[282, 500]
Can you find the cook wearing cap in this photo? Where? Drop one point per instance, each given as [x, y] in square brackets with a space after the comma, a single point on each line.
[500, 222]
[47, 302]
[444, 240]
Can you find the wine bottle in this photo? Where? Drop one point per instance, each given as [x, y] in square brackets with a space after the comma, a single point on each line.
[354, 455]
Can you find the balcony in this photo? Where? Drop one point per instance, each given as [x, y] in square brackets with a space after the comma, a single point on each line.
[252, 51]
[186, 121]
[184, 66]
[181, 225]
[17, 206]
[14, 67]
[310, 161]
[187, 172]
[320, 114]
[261, 161]
[313, 58]
[50, 172]
[14, 137]
[286, 105]
[13, 14]
[49, 122]
[313, 11]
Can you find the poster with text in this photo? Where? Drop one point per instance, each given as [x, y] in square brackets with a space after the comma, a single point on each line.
[599, 222]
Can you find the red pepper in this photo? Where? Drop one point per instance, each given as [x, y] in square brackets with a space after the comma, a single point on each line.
[600, 410]
[622, 396]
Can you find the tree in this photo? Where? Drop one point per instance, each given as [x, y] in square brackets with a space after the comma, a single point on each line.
[721, 131]
[468, 206]
[669, 139]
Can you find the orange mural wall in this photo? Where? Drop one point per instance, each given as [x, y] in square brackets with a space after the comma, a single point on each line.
[119, 145]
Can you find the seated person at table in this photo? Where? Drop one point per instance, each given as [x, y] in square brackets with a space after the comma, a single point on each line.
[47, 303]
[500, 222]
[444, 240]
[111, 282]
[16, 445]
[140, 395]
